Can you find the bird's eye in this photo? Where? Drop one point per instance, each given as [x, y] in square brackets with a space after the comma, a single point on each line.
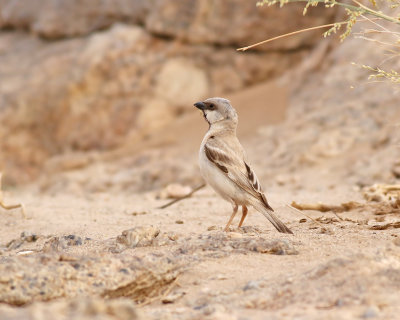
[211, 106]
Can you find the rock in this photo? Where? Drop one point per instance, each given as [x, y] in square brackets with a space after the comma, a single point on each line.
[74, 309]
[54, 19]
[73, 240]
[173, 236]
[326, 230]
[79, 97]
[109, 88]
[138, 237]
[62, 243]
[175, 191]
[203, 22]
[25, 279]
[24, 238]
[165, 238]
[172, 297]
[371, 312]
[235, 235]
[216, 311]
[279, 247]
[251, 230]
[221, 244]
[189, 82]
[197, 22]
[251, 285]
[157, 113]
[113, 83]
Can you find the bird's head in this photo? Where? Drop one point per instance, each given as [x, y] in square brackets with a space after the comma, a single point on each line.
[217, 110]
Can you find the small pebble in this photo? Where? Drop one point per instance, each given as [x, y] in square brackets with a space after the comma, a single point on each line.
[302, 220]
[235, 235]
[371, 312]
[25, 252]
[325, 230]
[29, 237]
[173, 237]
[252, 285]
[172, 297]
[179, 222]
[220, 277]
[175, 191]
[139, 213]
[180, 310]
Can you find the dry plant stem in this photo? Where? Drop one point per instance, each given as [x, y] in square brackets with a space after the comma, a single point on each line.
[379, 25]
[359, 7]
[297, 210]
[380, 42]
[326, 207]
[337, 216]
[349, 6]
[167, 292]
[296, 32]
[391, 187]
[14, 206]
[289, 34]
[367, 31]
[10, 207]
[393, 225]
[375, 13]
[184, 197]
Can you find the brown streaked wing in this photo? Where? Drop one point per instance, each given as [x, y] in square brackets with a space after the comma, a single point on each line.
[256, 185]
[236, 169]
[217, 158]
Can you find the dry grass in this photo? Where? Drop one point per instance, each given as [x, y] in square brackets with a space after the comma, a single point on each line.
[375, 14]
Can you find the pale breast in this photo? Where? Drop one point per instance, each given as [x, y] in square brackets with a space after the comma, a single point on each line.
[219, 181]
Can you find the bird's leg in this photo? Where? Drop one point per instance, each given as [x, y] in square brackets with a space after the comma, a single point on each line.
[235, 209]
[244, 214]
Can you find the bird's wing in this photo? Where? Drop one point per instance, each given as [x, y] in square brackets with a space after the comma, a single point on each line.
[228, 156]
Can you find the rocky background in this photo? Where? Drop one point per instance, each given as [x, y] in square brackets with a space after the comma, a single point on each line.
[98, 131]
[78, 76]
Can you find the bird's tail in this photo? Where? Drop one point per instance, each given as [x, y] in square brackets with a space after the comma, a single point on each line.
[278, 224]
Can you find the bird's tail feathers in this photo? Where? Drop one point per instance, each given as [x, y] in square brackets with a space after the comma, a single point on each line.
[278, 224]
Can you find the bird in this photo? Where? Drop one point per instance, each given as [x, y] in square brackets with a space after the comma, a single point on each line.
[224, 166]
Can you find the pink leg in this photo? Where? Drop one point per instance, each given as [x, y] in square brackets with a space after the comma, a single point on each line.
[235, 209]
[244, 214]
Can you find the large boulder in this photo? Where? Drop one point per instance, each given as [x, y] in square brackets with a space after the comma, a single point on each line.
[67, 18]
[234, 22]
[228, 23]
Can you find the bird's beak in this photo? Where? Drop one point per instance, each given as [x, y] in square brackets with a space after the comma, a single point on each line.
[200, 105]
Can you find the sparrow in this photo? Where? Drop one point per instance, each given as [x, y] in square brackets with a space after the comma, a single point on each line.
[224, 166]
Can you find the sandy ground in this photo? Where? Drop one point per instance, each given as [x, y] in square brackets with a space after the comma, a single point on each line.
[339, 269]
